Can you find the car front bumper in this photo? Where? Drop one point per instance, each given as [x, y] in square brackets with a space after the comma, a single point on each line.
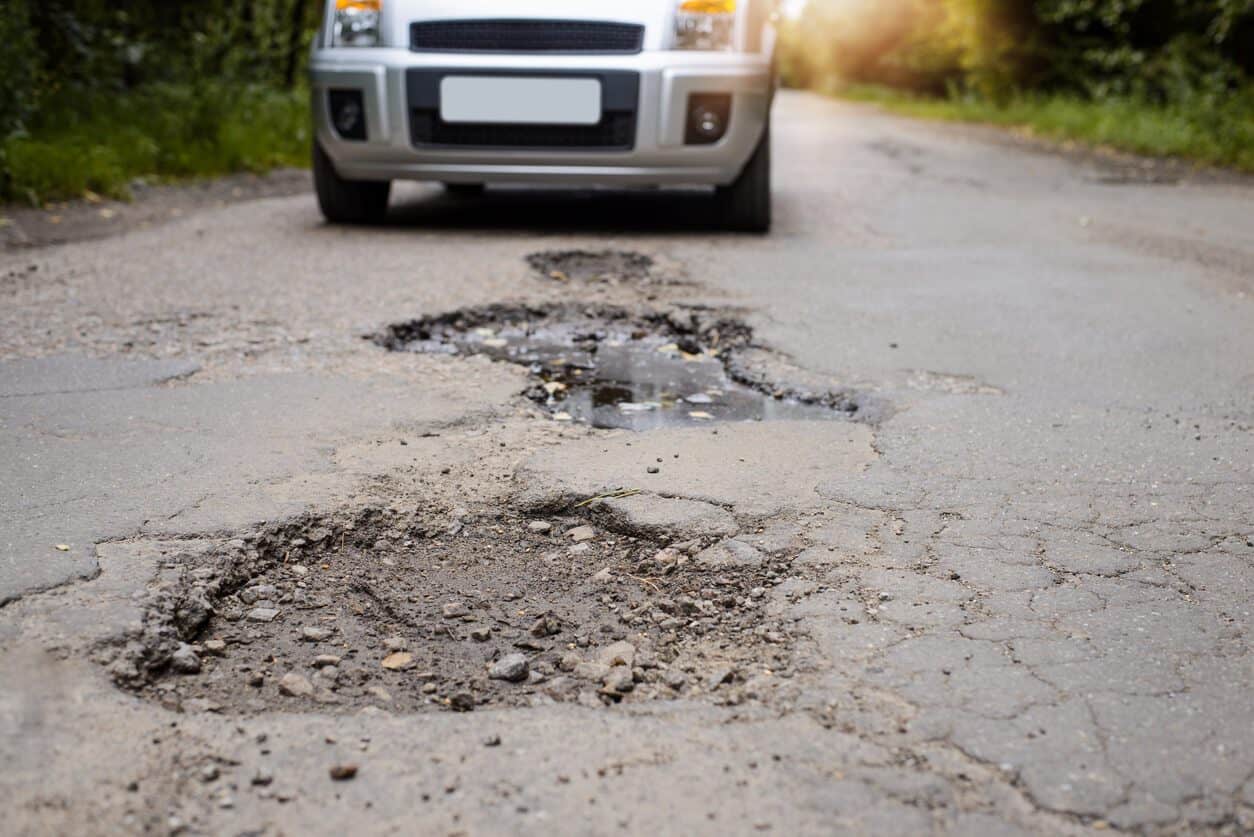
[658, 155]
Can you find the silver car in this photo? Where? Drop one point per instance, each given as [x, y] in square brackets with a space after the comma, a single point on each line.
[474, 92]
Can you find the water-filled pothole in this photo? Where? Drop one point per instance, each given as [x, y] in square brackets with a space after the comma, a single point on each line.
[614, 368]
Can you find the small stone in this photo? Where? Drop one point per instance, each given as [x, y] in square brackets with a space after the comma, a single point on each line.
[263, 614]
[512, 668]
[492, 741]
[324, 660]
[580, 548]
[540, 526]
[216, 647]
[569, 661]
[259, 593]
[394, 643]
[300, 570]
[592, 671]
[619, 679]
[462, 702]
[209, 773]
[429, 688]
[380, 693]
[546, 625]
[311, 633]
[295, 685]
[455, 610]
[185, 660]
[675, 679]
[582, 533]
[719, 676]
[256, 680]
[619, 654]
[481, 633]
[263, 778]
[400, 661]
[603, 576]
[343, 772]
[653, 469]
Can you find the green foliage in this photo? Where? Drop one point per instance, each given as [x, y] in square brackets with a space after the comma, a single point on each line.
[96, 92]
[1158, 50]
[166, 130]
[1220, 134]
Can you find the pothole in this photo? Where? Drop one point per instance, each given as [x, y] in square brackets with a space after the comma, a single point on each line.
[603, 266]
[473, 610]
[613, 367]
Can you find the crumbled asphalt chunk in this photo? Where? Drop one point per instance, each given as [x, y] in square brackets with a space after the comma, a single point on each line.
[512, 667]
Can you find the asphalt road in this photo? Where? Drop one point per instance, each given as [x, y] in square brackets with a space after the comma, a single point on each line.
[1019, 599]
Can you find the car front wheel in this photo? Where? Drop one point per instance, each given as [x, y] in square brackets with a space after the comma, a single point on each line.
[745, 205]
[348, 201]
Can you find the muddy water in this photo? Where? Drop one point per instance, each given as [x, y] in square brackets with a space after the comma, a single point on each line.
[621, 377]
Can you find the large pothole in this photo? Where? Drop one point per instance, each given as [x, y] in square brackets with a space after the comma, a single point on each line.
[614, 367]
[471, 610]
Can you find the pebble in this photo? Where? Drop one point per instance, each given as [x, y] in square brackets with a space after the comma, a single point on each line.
[394, 643]
[380, 693]
[592, 671]
[263, 614]
[582, 533]
[481, 634]
[343, 772]
[258, 593]
[462, 702]
[256, 680]
[216, 647]
[400, 661]
[209, 773]
[675, 679]
[185, 660]
[546, 625]
[295, 685]
[653, 469]
[619, 679]
[263, 778]
[324, 660]
[492, 741]
[621, 653]
[311, 633]
[455, 610]
[540, 526]
[580, 548]
[603, 576]
[512, 668]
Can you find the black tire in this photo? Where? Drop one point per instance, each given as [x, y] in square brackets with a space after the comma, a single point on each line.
[745, 205]
[464, 190]
[348, 201]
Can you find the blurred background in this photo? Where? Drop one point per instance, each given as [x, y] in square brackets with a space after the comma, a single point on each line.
[95, 94]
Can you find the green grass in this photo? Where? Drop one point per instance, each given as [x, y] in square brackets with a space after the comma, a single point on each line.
[165, 132]
[1215, 134]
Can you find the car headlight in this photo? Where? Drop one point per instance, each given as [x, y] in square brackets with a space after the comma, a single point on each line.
[356, 23]
[705, 24]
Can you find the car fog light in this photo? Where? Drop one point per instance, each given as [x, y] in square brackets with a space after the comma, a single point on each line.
[347, 114]
[708, 115]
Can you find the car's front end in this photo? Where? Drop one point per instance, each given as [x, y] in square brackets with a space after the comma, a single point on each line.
[651, 92]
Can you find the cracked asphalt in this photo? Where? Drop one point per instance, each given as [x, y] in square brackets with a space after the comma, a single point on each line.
[1013, 598]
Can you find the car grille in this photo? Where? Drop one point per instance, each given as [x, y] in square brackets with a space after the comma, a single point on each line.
[620, 97]
[614, 131]
[569, 36]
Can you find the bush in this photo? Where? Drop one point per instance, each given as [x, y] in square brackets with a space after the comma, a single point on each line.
[102, 144]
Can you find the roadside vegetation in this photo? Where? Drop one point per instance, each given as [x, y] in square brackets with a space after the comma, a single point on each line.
[1156, 77]
[94, 95]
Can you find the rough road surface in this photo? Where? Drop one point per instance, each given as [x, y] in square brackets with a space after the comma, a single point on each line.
[274, 560]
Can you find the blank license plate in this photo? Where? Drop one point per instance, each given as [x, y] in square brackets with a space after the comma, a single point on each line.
[520, 100]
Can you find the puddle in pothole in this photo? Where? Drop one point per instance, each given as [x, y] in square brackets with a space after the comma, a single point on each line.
[609, 368]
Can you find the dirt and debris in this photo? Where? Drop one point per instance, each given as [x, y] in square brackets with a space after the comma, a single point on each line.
[601, 266]
[617, 367]
[446, 613]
